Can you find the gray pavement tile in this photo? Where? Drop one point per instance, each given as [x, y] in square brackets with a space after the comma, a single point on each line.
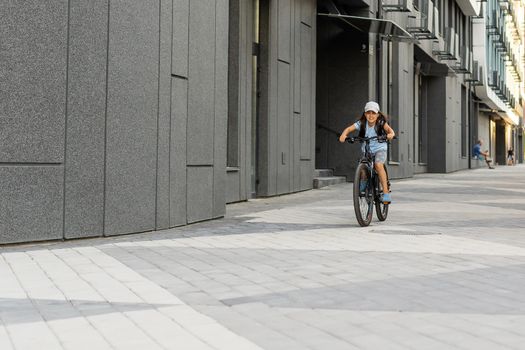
[292, 272]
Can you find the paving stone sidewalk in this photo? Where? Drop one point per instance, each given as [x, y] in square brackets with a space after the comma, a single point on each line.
[445, 271]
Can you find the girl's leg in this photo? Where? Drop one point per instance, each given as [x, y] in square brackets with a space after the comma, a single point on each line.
[380, 159]
[380, 170]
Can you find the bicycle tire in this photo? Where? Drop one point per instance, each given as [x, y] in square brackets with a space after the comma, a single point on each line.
[381, 208]
[363, 203]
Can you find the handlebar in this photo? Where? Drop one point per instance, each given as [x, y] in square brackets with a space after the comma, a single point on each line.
[368, 139]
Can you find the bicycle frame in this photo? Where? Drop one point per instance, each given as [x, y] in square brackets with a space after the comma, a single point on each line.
[368, 158]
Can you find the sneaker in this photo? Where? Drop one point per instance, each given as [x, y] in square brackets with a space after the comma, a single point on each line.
[386, 198]
[362, 186]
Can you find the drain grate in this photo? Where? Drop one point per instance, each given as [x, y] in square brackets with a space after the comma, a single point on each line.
[405, 232]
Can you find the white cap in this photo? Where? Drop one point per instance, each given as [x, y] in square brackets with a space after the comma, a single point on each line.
[372, 106]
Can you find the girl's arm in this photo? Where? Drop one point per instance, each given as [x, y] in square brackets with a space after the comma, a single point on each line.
[389, 131]
[345, 133]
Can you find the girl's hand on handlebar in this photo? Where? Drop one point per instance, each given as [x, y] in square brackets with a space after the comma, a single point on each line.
[342, 138]
[390, 137]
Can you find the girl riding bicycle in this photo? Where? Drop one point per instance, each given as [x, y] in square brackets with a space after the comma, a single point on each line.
[375, 124]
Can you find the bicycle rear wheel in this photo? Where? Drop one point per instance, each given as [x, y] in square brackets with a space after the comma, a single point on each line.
[381, 208]
[363, 200]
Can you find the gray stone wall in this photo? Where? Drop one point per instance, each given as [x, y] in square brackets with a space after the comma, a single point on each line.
[287, 105]
[482, 125]
[402, 113]
[33, 75]
[240, 101]
[285, 123]
[113, 116]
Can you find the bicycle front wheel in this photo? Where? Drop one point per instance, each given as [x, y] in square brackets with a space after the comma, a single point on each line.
[363, 196]
[381, 208]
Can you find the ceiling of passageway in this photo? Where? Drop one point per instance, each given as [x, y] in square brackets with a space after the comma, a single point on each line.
[344, 5]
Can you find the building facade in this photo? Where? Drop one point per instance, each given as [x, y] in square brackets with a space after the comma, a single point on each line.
[123, 116]
[115, 112]
[113, 116]
[499, 49]
[271, 119]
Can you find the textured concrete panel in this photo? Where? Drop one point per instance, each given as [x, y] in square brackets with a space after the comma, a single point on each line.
[221, 108]
[297, 56]
[308, 11]
[284, 115]
[179, 117]
[236, 36]
[232, 186]
[200, 193]
[164, 123]
[132, 116]
[31, 203]
[201, 88]
[306, 90]
[307, 170]
[33, 58]
[313, 84]
[267, 118]
[284, 33]
[84, 187]
[246, 98]
[296, 152]
[181, 14]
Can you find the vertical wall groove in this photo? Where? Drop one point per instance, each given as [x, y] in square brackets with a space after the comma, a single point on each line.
[188, 85]
[169, 120]
[187, 108]
[163, 128]
[155, 212]
[65, 123]
[214, 170]
[106, 128]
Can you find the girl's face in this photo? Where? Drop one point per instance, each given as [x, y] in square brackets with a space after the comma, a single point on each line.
[371, 117]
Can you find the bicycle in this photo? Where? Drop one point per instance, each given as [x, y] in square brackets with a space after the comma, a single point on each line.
[365, 197]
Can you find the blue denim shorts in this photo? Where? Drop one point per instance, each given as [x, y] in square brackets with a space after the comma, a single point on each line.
[380, 157]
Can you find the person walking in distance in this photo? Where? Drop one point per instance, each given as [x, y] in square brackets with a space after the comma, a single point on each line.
[374, 123]
[481, 155]
[510, 156]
